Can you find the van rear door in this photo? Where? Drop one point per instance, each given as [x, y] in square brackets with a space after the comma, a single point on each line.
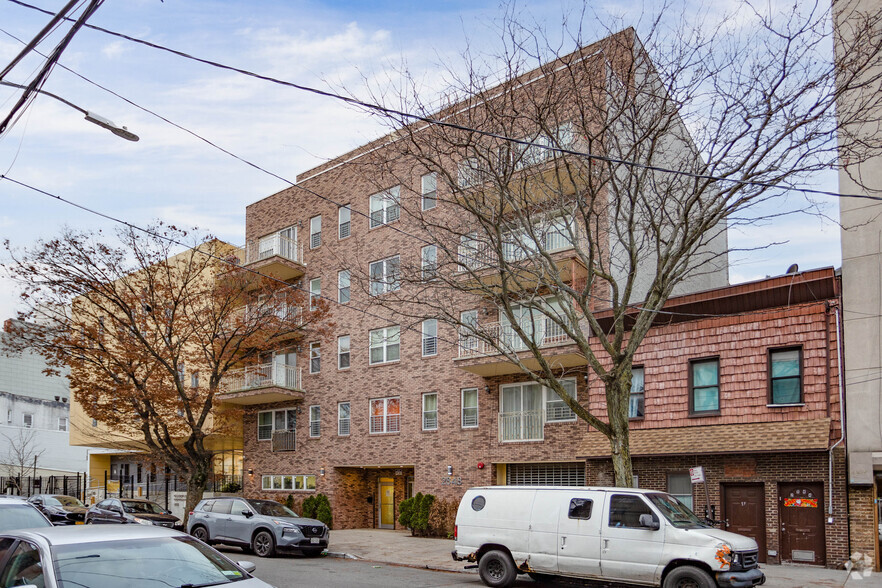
[578, 545]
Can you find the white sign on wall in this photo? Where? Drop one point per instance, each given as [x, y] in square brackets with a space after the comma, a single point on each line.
[696, 474]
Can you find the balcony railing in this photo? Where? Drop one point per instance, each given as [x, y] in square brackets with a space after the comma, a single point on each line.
[263, 375]
[546, 333]
[271, 246]
[251, 313]
[284, 441]
[477, 255]
[528, 425]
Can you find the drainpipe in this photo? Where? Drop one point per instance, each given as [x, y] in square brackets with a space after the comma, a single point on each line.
[841, 410]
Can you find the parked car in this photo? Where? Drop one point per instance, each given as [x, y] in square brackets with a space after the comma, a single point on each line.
[612, 534]
[60, 509]
[110, 557]
[130, 510]
[263, 526]
[16, 513]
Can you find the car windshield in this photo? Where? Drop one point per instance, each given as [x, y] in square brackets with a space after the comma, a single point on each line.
[144, 507]
[21, 516]
[157, 562]
[675, 511]
[66, 501]
[271, 508]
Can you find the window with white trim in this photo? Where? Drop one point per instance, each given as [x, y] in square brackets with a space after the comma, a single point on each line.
[315, 231]
[344, 221]
[27, 420]
[385, 207]
[429, 261]
[637, 402]
[386, 415]
[315, 358]
[385, 275]
[429, 191]
[344, 415]
[430, 411]
[194, 379]
[315, 292]
[430, 337]
[556, 408]
[315, 420]
[468, 340]
[297, 482]
[385, 345]
[269, 421]
[343, 286]
[469, 408]
[343, 352]
[62, 423]
[680, 486]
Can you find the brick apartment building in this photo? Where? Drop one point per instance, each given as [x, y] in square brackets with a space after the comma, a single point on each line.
[739, 379]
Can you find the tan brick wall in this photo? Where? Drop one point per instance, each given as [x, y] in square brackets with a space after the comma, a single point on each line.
[862, 520]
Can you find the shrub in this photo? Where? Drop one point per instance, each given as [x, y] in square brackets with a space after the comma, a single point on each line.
[323, 509]
[289, 502]
[420, 519]
[405, 512]
[442, 518]
[308, 508]
[231, 487]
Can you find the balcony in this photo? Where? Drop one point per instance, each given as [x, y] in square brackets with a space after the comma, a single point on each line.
[284, 441]
[277, 256]
[260, 384]
[528, 425]
[481, 356]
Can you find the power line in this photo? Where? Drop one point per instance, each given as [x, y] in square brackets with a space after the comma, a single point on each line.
[440, 122]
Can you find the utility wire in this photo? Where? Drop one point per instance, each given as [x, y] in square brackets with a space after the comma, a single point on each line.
[440, 122]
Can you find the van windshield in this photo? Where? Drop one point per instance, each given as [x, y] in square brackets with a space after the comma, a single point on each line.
[676, 512]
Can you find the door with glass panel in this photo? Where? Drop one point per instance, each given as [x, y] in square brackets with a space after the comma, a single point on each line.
[522, 416]
[288, 243]
[285, 369]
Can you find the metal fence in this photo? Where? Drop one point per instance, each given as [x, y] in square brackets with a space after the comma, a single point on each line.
[30, 485]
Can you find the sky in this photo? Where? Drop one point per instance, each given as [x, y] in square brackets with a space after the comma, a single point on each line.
[175, 177]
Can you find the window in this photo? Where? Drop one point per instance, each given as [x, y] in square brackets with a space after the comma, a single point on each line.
[315, 420]
[469, 408]
[299, 482]
[636, 403]
[315, 292]
[386, 415]
[625, 511]
[468, 341]
[785, 376]
[343, 282]
[430, 337]
[343, 418]
[430, 411]
[522, 417]
[385, 345]
[27, 420]
[194, 380]
[429, 261]
[429, 191]
[580, 508]
[9, 416]
[384, 275]
[344, 217]
[283, 243]
[704, 385]
[24, 567]
[555, 408]
[469, 172]
[384, 207]
[315, 232]
[315, 358]
[680, 486]
[269, 421]
[62, 423]
[343, 352]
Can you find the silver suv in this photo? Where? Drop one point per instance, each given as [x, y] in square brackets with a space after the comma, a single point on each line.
[263, 526]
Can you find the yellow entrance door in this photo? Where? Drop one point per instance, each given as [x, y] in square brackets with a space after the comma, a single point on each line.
[387, 503]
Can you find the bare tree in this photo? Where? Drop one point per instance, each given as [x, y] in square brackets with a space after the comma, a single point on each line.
[152, 338]
[574, 199]
[23, 450]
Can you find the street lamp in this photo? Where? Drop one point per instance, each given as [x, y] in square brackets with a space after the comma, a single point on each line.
[90, 116]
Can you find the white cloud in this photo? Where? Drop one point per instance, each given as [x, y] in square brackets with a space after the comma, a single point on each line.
[115, 49]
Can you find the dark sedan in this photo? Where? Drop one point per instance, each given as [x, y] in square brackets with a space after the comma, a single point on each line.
[130, 510]
[60, 509]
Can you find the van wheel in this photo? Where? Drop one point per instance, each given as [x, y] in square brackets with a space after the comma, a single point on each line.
[497, 569]
[689, 577]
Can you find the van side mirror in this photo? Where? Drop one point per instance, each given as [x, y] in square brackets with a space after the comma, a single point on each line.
[647, 521]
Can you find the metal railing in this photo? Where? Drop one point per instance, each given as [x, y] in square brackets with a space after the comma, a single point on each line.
[284, 441]
[527, 425]
[392, 423]
[502, 335]
[478, 255]
[271, 246]
[262, 375]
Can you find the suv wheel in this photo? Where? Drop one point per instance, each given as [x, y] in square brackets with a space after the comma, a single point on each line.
[263, 544]
[689, 577]
[497, 569]
[200, 533]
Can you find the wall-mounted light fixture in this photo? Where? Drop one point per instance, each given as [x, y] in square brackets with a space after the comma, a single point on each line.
[487, 389]
[250, 472]
[450, 470]
[322, 472]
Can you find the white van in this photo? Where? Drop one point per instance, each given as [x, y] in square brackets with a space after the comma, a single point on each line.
[617, 534]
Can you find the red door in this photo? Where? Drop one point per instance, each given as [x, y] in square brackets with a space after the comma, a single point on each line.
[801, 510]
[744, 512]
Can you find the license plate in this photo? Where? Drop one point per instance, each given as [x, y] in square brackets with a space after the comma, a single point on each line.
[79, 523]
[314, 540]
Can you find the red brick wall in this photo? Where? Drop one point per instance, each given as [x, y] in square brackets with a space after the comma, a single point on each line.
[862, 520]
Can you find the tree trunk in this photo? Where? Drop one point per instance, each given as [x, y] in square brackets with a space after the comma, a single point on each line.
[618, 394]
[195, 490]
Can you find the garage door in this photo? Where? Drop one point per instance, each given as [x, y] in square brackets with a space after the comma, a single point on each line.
[545, 474]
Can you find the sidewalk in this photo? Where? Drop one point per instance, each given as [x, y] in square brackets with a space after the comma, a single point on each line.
[399, 548]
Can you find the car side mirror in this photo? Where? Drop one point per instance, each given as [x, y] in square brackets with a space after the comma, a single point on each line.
[38, 502]
[248, 566]
[647, 521]
[248, 514]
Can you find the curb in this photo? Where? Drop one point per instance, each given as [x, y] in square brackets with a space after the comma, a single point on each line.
[341, 555]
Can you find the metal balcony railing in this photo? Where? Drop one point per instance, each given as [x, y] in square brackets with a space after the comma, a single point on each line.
[284, 441]
[273, 245]
[258, 376]
[528, 425]
[546, 333]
